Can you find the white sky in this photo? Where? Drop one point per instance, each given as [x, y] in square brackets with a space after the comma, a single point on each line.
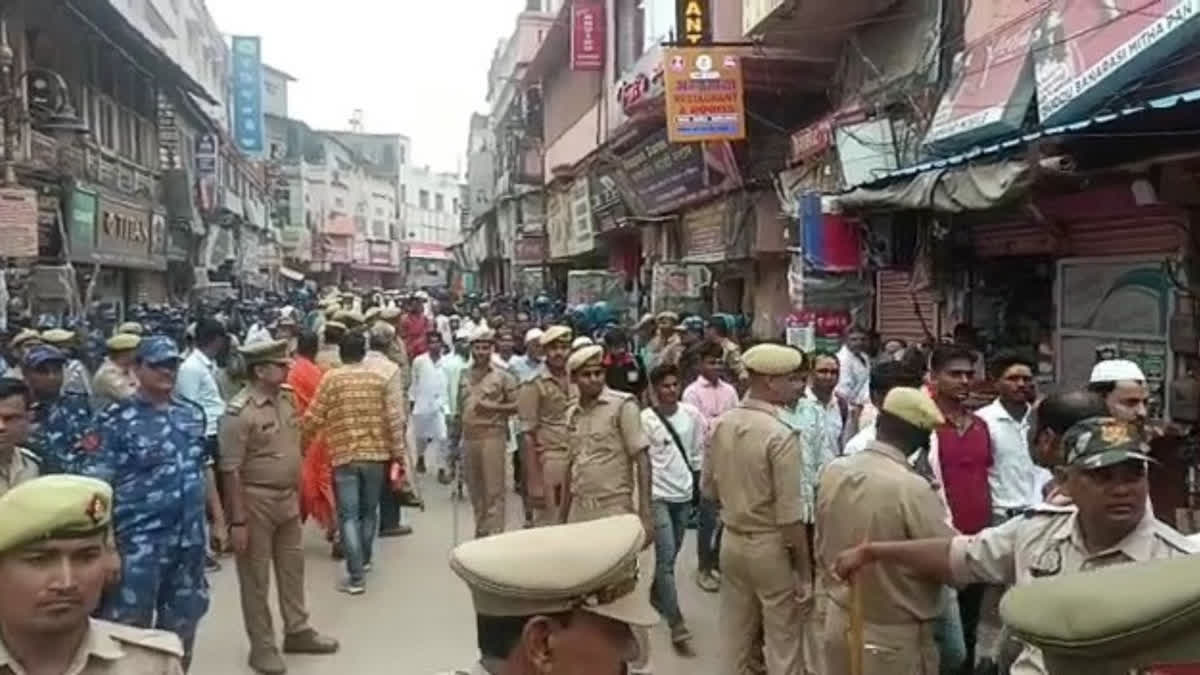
[415, 67]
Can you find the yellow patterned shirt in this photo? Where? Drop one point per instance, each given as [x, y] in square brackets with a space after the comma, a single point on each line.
[351, 408]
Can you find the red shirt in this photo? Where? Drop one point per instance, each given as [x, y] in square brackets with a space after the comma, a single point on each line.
[965, 459]
[414, 330]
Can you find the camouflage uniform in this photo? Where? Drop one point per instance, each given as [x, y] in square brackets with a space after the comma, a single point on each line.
[58, 429]
[154, 458]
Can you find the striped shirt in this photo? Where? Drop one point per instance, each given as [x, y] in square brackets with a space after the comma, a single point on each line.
[351, 408]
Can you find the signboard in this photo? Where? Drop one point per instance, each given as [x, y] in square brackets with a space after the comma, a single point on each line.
[811, 141]
[664, 176]
[703, 233]
[704, 95]
[990, 87]
[19, 222]
[580, 240]
[693, 21]
[557, 219]
[636, 88]
[529, 250]
[82, 226]
[1093, 49]
[248, 130]
[125, 236]
[340, 225]
[679, 288]
[587, 35]
[379, 253]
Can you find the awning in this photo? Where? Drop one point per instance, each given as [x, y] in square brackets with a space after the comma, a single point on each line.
[1021, 140]
[290, 273]
[975, 187]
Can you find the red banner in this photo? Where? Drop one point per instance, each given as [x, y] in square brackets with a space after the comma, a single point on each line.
[587, 35]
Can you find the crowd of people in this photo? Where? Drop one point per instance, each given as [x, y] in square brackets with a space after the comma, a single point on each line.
[810, 478]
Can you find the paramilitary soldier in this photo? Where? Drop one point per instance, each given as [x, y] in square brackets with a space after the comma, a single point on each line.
[1106, 469]
[56, 555]
[260, 466]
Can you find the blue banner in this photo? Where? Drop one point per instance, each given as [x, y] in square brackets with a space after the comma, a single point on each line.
[247, 94]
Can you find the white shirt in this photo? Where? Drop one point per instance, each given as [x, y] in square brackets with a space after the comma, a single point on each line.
[1014, 480]
[834, 424]
[670, 478]
[429, 390]
[197, 382]
[258, 333]
[854, 379]
[452, 366]
[859, 441]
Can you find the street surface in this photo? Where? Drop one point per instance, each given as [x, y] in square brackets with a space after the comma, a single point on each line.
[416, 617]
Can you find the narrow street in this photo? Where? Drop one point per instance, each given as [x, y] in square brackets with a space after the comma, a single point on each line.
[416, 617]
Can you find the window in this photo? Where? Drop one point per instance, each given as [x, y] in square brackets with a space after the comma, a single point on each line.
[423, 199]
[440, 202]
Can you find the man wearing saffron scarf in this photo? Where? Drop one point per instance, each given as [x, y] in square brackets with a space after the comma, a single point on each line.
[316, 473]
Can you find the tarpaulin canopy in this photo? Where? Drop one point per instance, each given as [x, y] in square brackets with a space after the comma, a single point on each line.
[958, 189]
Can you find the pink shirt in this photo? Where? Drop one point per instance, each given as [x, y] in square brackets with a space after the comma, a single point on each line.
[712, 400]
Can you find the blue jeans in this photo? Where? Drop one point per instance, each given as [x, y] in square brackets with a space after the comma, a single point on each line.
[357, 487]
[948, 635]
[670, 523]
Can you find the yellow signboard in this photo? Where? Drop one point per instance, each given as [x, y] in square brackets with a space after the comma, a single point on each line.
[704, 93]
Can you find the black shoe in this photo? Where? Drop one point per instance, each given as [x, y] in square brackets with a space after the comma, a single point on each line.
[336, 551]
[398, 531]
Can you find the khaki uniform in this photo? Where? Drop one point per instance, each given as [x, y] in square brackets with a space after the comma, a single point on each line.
[877, 495]
[23, 466]
[260, 439]
[1046, 543]
[116, 649]
[399, 355]
[112, 383]
[606, 439]
[328, 358]
[542, 407]
[485, 438]
[754, 469]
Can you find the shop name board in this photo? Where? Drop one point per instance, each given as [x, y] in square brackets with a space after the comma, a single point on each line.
[587, 35]
[705, 98]
[693, 19]
[664, 176]
[642, 84]
[126, 235]
[124, 226]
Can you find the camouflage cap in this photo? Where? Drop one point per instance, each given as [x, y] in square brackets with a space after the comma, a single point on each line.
[1098, 442]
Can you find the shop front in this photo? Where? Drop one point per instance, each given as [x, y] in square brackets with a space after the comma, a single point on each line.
[127, 247]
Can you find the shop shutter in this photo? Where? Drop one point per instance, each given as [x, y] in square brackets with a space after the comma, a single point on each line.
[901, 312]
[148, 287]
[1126, 235]
[1014, 238]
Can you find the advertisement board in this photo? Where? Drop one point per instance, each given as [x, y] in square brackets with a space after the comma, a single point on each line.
[1087, 51]
[990, 86]
[664, 176]
[587, 35]
[248, 130]
[558, 217]
[19, 222]
[704, 95]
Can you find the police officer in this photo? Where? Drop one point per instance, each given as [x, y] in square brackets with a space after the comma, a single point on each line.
[55, 558]
[76, 378]
[260, 468]
[754, 470]
[1106, 476]
[487, 397]
[557, 599]
[25, 339]
[60, 419]
[397, 351]
[131, 328]
[151, 449]
[114, 379]
[328, 358]
[875, 494]
[17, 463]
[542, 408]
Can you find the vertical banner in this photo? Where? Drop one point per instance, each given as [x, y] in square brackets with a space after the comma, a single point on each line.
[693, 22]
[587, 35]
[247, 94]
[704, 93]
[19, 222]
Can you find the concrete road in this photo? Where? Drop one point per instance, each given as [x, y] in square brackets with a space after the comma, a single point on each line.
[416, 617]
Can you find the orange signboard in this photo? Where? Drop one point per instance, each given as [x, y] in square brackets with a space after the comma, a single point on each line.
[704, 94]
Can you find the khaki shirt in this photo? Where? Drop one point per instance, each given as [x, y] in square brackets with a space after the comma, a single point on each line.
[493, 385]
[754, 469]
[605, 440]
[1047, 542]
[399, 355]
[542, 407]
[23, 466]
[328, 358]
[112, 383]
[260, 439]
[875, 494]
[116, 649]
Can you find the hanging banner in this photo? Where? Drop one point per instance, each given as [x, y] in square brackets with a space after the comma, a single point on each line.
[1088, 51]
[693, 21]
[664, 176]
[990, 86]
[587, 35]
[247, 94]
[19, 222]
[705, 97]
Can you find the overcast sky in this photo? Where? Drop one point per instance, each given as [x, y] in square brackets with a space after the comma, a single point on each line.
[415, 67]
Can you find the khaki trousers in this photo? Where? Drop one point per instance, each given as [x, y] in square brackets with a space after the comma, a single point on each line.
[273, 531]
[762, 598]
[889, 649]
[486, 459]
[814, 628]
[554, 474]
